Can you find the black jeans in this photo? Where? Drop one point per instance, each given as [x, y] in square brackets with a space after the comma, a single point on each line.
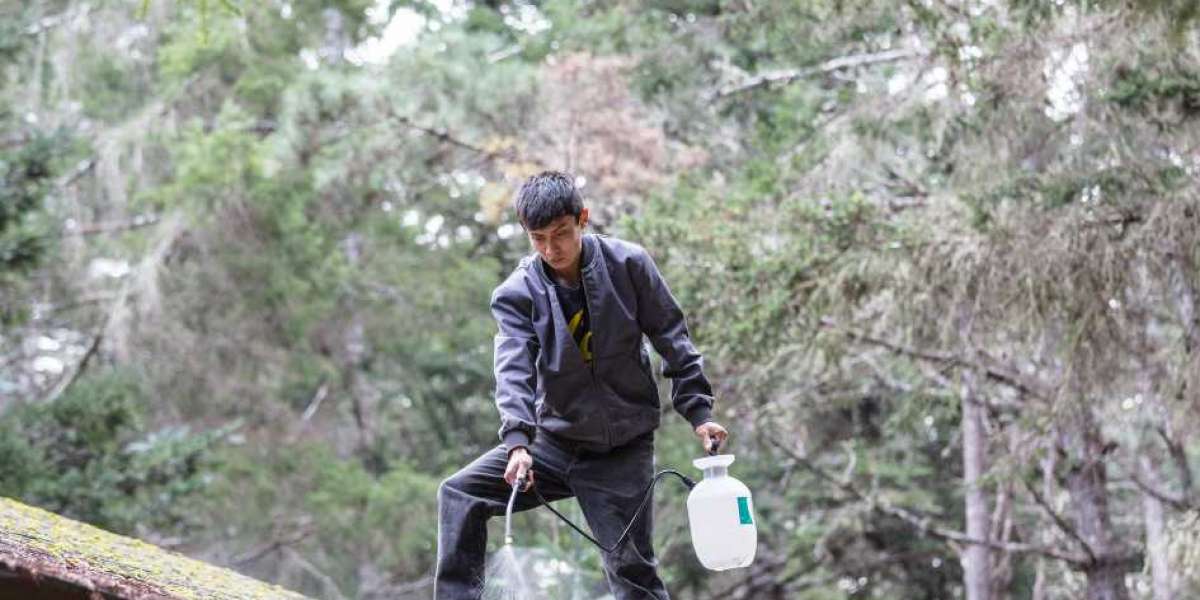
[607, 484]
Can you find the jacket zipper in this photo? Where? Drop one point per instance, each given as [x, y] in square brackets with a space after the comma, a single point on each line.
[588, 308]
[592, 363]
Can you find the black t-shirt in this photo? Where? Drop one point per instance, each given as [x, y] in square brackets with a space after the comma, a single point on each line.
[574, 308]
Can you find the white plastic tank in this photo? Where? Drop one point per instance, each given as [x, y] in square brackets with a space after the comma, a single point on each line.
[721, 516]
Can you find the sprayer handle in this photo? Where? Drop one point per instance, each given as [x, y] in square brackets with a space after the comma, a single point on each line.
[714, 444]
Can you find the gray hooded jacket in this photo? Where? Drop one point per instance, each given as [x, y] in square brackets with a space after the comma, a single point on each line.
[542, 379]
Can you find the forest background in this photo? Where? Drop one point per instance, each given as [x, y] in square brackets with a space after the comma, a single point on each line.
[942, 257]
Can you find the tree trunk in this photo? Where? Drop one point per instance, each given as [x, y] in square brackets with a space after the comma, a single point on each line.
[1002, 530]
[1039, 582]
[1106, 582]
[976, 561]
[1087, 483]
[1156, 535]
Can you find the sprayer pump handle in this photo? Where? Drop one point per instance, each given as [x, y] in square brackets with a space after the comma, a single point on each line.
[713, 445]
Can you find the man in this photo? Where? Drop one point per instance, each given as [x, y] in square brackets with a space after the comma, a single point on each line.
[578, 404]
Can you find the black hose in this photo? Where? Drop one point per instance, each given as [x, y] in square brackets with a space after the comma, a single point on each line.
[689, 482]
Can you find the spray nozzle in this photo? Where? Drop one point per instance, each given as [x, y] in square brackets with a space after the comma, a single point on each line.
[512, 498]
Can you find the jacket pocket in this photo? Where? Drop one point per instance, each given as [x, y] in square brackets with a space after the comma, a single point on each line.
[643, 362]
[629, 379]
[564, 388]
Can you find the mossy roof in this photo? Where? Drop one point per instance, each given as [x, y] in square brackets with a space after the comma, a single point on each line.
[43, 545]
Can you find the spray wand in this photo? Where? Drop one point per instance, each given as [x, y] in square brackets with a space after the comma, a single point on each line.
[512, 498]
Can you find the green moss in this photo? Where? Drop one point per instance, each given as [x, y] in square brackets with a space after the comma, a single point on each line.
[61, 544]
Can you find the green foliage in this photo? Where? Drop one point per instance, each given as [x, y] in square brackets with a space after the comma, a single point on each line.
[27, 175]
[14, 20]
[205, 186]
[25, 178]
[340, 515]
[728, 244]
[184, 54]
[1143, 89]
[393, 510]
[1181, 15]
[113, 85]
[1051, 191]
[260, 88]
[91, 455]
[290, 256]
[201, 10]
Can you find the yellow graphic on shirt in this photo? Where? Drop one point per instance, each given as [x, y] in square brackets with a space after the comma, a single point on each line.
[585, 342]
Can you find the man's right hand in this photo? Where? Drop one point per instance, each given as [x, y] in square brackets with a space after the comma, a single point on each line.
[520, 464]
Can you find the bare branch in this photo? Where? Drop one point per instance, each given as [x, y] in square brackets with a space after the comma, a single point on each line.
[1059, 521]
[503, 53]
[994, 373]
[68, 380]
[315, 403]
[1187, 296]
[1179, 504]
[329, 584]
[277, 543]
[112, 226]
[1180, 458]
[46, 23]
[83, 167]
[924, 523]
[77, 302]
[786, 76]
[14, 140]
[445, 136]
[761, 569]
[1120, 221]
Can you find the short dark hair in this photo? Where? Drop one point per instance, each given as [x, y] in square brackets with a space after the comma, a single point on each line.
[546, 197]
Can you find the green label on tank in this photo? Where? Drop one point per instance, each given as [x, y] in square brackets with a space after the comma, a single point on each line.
[744, 510]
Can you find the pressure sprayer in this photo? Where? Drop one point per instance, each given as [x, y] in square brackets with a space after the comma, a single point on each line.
[720, 513]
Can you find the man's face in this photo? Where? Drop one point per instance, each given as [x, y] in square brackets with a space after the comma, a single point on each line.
[560, 242]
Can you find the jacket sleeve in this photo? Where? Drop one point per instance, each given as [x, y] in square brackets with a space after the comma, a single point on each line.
[661, 319]
[516, 349]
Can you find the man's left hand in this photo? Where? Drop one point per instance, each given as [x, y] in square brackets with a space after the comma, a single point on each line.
[711, 431]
